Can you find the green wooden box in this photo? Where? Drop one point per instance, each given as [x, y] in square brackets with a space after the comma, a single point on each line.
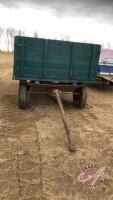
[55, 61]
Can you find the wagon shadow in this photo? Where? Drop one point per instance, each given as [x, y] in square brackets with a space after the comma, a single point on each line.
[101, 87]
[37, 99]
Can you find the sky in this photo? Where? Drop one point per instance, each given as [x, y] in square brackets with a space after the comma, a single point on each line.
[78, 20]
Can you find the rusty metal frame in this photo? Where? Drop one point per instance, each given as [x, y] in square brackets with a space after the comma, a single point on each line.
[62, 87]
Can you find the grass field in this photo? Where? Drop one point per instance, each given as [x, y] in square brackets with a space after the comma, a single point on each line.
[35, 163]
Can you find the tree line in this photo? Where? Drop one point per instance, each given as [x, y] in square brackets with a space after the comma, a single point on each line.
[7, 37]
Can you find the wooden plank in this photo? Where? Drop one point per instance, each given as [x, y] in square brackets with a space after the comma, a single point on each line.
[66, 126]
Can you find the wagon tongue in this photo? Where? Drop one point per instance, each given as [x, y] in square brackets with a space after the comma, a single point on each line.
[67, 129]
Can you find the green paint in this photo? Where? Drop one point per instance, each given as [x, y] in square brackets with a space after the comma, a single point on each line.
[54, 60]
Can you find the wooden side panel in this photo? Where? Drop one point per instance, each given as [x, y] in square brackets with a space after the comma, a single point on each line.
[53, 60]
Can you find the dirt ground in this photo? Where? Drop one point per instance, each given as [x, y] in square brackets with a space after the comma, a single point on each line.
[35, 162]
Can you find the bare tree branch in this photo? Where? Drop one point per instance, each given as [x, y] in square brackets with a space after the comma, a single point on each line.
[9, 38]
[36, 35]
[65, 37]
[1, 33]
[20, 32]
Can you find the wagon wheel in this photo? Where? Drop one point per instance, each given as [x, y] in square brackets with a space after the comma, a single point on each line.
[80, 97]
[22, 95]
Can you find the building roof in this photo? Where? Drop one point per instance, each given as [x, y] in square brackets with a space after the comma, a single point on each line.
[106, 54]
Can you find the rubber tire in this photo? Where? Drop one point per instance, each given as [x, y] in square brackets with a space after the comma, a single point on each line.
[80, 97]
[22, 95]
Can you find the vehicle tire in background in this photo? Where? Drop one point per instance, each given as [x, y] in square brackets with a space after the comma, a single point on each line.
[80, 97]
[22, 95]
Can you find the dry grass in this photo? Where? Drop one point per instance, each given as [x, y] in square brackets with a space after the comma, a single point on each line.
[35, 162]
